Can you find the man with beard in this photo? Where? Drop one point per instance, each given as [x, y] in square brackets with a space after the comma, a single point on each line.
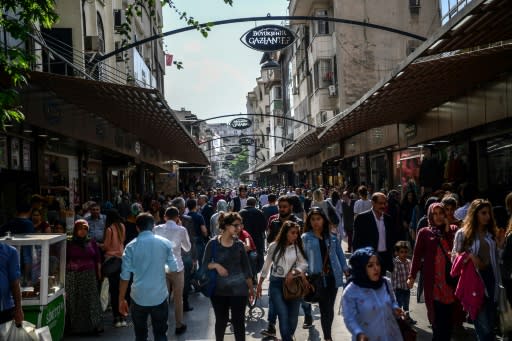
[285, 207]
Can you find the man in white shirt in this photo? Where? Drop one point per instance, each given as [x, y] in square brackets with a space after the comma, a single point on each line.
[178, 236]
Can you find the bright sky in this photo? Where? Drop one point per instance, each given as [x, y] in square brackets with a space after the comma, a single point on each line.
[218, 71]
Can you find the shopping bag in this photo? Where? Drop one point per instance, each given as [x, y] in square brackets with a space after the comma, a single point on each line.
[25, 332]
[43, 334]
[505, 311]
[104, 294]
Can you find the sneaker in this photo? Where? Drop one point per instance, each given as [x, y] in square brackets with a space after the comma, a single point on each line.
[123, 322]
[117, 323]
[308, 322]
[270, 331]
[181, 329]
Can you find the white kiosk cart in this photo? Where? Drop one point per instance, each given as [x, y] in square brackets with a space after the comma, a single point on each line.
[42, 278]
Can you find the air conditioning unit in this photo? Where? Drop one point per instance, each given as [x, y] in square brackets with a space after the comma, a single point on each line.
[91, 44]
[332, 90]
[295, 90]
[147, 60]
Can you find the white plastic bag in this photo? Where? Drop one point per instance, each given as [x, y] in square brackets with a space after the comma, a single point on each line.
[104, 294]
[24, 333]
[43, 334]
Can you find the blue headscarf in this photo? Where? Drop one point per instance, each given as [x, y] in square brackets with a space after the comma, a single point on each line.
[359, 275]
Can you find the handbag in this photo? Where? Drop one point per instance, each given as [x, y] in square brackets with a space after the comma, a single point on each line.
[295, 288]
[450, 281]
[316, 283]
[406, 329]
[111, 266]
[207, 279]
[504, 311]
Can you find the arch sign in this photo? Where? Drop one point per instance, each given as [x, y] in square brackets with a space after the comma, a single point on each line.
[240, 123]
[268, 38]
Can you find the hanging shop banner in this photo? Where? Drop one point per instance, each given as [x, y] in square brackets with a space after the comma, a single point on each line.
[246, 141]
[240, 123]
[235, 150]
[268, 38]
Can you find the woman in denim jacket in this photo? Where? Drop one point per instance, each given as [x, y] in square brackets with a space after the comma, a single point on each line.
[318, 244]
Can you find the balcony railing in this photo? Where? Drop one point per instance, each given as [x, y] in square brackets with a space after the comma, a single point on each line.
[450, 8]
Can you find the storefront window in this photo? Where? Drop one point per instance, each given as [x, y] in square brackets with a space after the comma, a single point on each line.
[499, 154]
[15, 153]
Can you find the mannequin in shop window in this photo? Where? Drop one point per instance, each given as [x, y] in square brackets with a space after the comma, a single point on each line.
[454, 169]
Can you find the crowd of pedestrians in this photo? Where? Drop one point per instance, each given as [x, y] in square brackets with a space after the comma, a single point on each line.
[456, 247]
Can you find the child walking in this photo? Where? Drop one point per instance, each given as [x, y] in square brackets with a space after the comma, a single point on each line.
[402, 266]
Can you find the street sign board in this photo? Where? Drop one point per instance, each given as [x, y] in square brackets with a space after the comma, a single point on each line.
[268, 38]
[230, 157]
[246, 141]
[240, 123]
[235, 150]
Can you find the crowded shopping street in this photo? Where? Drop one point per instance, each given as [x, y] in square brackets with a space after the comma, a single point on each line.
[277, 170]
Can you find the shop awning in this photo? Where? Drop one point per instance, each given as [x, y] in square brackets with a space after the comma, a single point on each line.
[306, 144]
[142, 112]
[472, 48]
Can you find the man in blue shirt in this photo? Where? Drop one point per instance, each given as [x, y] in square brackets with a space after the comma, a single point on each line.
[10, 293]
[145, 257]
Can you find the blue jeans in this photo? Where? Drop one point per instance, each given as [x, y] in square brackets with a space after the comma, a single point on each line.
[159, 316]
[286, 311]
[403, 297]
[484, 323]
[306, 307]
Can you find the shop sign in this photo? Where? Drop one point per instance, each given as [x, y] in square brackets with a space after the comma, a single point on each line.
[240, 123]
[230, 157]
[235, 150]
[410, 130]
[268, 38]
[246, 141]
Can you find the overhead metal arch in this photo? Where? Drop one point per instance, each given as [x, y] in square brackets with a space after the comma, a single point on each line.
[223, 154]
[245, 135]
[252, 114]
[234, 145]
[266, 18]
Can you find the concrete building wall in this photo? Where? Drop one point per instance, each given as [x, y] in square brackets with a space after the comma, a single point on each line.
[365, 55]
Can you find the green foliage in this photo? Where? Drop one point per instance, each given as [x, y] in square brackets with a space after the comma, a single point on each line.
[18, 20]
[239, 164]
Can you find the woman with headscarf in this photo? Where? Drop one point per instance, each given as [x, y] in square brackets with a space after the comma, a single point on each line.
[325, 259]
[369, 304]
[222, 206]
[432, 253]
[83, 271]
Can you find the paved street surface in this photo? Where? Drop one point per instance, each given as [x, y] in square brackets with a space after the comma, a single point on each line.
[201, 321]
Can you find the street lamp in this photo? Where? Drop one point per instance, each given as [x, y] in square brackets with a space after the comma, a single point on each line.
[270, 64]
